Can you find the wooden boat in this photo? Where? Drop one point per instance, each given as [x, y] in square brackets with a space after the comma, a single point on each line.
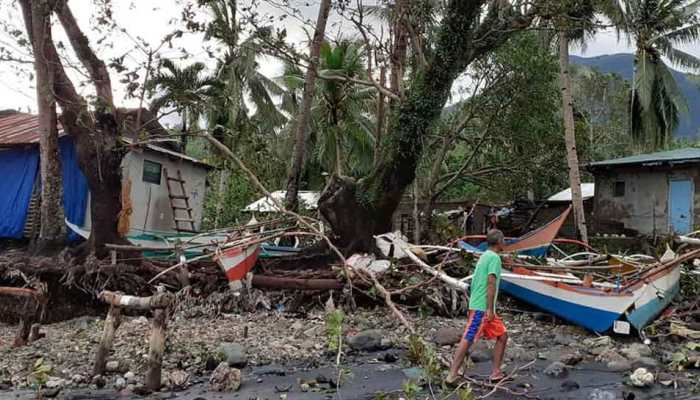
[597, 307]
[535, 243]
[165, 244]
[238, 260]
[632, 292]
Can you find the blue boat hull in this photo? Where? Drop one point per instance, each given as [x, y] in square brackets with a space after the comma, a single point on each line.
[642, 316]
[587, 317]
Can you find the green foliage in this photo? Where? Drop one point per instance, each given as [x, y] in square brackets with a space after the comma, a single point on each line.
[658, 29]
[465, 393]
[40, 374]
[341, 138]
[334, 329]
[424, 354]
[410, 389]
[602, 109]
[513, 134]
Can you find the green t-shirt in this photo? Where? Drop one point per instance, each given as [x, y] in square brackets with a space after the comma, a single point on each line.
[489, 263]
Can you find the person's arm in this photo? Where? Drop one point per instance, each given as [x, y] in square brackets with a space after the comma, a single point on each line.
[490, 297]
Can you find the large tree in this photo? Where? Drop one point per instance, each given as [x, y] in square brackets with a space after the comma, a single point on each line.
[358, 209]
[52, 231]
[95, 127]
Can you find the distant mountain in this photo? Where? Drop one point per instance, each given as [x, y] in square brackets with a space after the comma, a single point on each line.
[622, 64]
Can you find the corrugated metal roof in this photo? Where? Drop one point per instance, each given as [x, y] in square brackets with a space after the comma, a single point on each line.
[688, 154]
[587, 192]
[19, 128]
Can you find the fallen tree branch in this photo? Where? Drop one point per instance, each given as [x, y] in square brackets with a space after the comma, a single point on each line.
[391, 305]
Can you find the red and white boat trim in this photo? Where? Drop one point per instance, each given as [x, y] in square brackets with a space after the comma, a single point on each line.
[237, 261]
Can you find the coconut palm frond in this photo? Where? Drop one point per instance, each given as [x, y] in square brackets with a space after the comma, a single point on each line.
[678, 57]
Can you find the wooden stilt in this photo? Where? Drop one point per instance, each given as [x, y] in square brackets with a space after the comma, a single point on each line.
[155, 352]
[29, 312]
[112, 322]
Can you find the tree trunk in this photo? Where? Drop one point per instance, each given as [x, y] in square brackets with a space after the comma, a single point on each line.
[300, 142]
[52, 231]
[570, 136]
[95, 131]
[356, 210]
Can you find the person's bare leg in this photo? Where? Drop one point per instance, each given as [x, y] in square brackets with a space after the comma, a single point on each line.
[499, 351]
[460, 355]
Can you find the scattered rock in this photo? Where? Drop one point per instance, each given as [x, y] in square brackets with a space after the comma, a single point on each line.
[572, 358]
[112, 366]
[635, 351]
[370, 340]
[569, 386]
[225, 378]
[211, 363]
[297, 326]
[563, 340]
[305, 387]
[609, 356]
[479, 356]
[448, 336]
[99, 381]
[234, 354]
[177, 379]
[598, 394]
[141, 390]
[556, 370]
[50, 393]
[54, 382]
[598, 345]
[646, 362]
[78, 379]
[641, 377]
[620, 365]
[119, 383]
[130, 377]
[390, 357]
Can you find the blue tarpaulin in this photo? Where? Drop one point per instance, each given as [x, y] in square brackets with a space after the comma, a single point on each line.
[18, 167]
[75, 189]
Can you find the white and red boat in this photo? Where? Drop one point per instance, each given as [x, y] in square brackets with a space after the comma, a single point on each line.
[238, 260]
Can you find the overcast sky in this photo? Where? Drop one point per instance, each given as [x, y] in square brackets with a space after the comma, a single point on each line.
[153, 19]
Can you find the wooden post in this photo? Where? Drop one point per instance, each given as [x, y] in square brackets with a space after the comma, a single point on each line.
[27, 319]
[155, 352]
[112, 322]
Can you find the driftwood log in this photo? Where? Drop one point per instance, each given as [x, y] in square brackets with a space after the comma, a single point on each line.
[158, 304]
[273, 282]
[31, 313]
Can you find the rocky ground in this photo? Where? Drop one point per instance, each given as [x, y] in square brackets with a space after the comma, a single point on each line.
[280, 356]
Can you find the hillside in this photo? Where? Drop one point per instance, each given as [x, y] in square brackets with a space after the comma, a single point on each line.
[622, 65]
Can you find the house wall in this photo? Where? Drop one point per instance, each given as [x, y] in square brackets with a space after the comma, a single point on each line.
[151, 206]
[644, 205]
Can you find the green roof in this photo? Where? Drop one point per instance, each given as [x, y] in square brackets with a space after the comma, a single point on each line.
[688, 154]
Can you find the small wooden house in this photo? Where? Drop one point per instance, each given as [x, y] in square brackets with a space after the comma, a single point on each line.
[166, 187]
[651, 194]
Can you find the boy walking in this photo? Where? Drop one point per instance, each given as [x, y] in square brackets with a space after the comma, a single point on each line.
[482, 320]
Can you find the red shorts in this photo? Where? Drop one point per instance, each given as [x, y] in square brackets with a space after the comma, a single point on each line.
[478, 327]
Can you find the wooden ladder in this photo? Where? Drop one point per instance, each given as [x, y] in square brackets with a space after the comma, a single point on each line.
[183, 209]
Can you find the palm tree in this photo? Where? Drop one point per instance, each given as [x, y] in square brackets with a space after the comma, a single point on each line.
[239, 77]
[573, 21]
[186, 90]
[657, 29]
[342, 127]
